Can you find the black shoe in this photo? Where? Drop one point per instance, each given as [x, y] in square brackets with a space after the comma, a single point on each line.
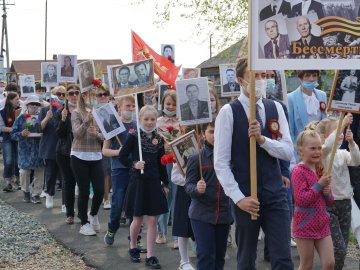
[26, 197]
[8, 188]
[36, 199]
[134, 255]
[153, 262]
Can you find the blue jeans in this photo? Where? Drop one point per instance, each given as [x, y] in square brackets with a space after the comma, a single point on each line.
[10, 156]
[120, 180]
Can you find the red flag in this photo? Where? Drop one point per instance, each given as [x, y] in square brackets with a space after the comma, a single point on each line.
[166, 70]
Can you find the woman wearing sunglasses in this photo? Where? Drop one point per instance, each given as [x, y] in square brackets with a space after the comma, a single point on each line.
[63, 148]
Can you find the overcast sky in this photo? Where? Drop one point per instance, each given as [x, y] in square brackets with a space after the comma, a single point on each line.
[96, 30]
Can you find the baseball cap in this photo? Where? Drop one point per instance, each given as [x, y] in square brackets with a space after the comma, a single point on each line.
[32, 99]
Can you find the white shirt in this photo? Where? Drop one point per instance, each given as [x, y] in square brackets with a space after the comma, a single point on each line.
[277, 4]
[281, 148]
[312, 105]
[273, 45]
[305, 7]
[87, 156]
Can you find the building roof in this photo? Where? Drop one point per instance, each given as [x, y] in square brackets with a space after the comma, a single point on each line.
[229, 55]
[32, 67]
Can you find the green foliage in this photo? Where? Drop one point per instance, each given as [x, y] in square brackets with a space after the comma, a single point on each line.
[224, 20]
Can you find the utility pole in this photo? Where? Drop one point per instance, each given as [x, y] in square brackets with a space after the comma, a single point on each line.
[5, 37]
[45, 29]
[210, 47]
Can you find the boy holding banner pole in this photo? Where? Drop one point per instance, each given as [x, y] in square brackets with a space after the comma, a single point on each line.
[231, 159]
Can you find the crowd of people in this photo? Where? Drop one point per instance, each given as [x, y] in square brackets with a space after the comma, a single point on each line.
[299, 203]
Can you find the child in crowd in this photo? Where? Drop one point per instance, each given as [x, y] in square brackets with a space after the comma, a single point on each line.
[119, 172]
[340, 210]
[28, 150]
[86, 164]
[209, 211]
[168, 119]
[145, 194]
[312, 193]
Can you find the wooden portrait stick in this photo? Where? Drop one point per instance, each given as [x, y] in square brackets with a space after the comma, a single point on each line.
[138, 130]
[200, 161]
[334, 147]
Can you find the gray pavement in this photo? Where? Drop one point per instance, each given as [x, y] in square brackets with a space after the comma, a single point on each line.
[100, 256]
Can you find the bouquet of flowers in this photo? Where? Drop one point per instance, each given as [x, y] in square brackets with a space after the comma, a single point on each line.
[167, 159]
[172, 133]
[27, 124]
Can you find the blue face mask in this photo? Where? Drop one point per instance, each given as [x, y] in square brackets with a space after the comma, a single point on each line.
[169, 113]
[147, 130]
[128, 114]
[270, 87]
[213, 110]
[41, 97]
[72, 104]
[310, 85]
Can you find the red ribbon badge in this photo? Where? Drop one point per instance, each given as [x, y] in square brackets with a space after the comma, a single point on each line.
[322, 106]
[274, 128]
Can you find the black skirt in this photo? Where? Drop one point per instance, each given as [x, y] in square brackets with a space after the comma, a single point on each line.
[181, 224]
[144, 197]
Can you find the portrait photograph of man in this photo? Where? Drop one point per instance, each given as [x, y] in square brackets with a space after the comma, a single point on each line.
[229, 84]
[27, 85]
[11, 77]
[278, 45]
[274, 7]
[66, 68]
[306, 7]
[49, 74]
[168, 51]
[193, 101]
[108, 121]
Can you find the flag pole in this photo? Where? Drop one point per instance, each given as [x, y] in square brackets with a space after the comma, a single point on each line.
[138, 130]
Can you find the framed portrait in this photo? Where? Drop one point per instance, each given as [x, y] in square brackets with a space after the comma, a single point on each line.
[105, 78]
[193, 101]
[320, 36]
[229, 84]
[12, 77]
[190, 73]
[109, 76]
[345, 92]
[27, 85]
[49, 74]
[168, 51]
[133, 78]
[66, 68]
[86, 71]
[183, 147]
[108, 120]
[33, 126]
[163, 87]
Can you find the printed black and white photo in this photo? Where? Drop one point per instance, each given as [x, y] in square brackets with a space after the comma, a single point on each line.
[86, 71]
[109, 78]
[11, 77]
[27, 85]
[108, 121]
[49, 74]
[66, 68]
[190, 73]
[183, 147]
[193, 101]
[163, 87]
[133, 78]
[229, 83]
[33, 126]
[168, 51]
[345, 94]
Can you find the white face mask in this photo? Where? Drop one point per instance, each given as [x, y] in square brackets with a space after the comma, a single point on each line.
[260, 88]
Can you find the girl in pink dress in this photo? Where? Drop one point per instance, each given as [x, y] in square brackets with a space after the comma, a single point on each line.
[312, 194]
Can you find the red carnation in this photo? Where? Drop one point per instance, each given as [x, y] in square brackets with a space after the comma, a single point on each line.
[164, 160]
[27, 115]
[96, 83]
[170, 128]
[171, 158]
[169, 57]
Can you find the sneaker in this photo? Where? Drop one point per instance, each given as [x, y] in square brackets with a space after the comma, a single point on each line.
[123, 220]
[292, 242]
[160, 239]
[153, 262]
[176, 244]
[69, 220]
[26, 197]
[87, 229]
[186, 266]
[8, 188]
[134, 255]
[94, 221]
[107, 205]
[16, 185]
[36, 199]
[63, 208]
[109, 238]
[58, 188]
[43, 194]
[49, 201]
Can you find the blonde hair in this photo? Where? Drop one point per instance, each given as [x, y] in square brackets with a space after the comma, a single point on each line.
[147, 108]
[121, 100]
[323, 126]
[81, 104]
[58, 88]
[213, 92]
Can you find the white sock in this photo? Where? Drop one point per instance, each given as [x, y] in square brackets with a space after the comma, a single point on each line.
[183, 249]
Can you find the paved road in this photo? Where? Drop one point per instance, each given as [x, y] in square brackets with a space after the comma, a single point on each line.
[100, 256]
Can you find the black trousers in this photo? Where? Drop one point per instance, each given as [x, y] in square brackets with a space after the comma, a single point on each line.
[355, 182]
[69, 183]
[86, 172]
[51, 173]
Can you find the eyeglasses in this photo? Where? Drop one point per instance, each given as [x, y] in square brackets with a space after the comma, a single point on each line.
[59, 94]
[34, 104]
[73, 93]
[102, 95]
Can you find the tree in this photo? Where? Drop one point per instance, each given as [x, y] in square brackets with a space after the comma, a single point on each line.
[224, 20]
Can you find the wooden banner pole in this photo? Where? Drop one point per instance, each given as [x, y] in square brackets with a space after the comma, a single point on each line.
[334, 147]
[138, 130]
[118, 140]
[200, 161]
